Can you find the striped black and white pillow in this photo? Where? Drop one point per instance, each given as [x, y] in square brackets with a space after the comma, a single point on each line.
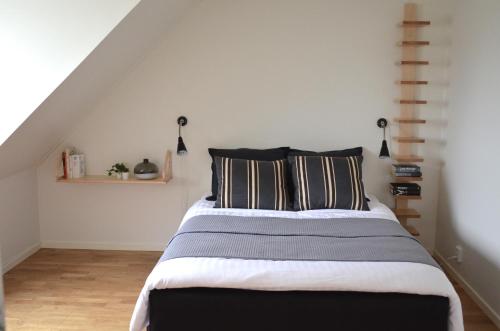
[251, 184]
[323, 182]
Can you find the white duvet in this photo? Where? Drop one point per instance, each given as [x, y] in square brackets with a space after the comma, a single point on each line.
[400, 277]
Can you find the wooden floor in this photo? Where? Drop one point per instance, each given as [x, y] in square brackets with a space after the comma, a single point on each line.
[96, 290]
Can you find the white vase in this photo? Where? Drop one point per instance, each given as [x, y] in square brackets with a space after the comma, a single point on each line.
[125, 175]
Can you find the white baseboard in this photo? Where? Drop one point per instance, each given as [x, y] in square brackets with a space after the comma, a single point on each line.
[103, 246]
[11, 263]
[488, 310]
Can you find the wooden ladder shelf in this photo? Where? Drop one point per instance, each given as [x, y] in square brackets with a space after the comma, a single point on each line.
[407, 119]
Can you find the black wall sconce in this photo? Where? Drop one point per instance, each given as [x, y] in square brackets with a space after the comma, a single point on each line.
[384, 150]
[181, 147]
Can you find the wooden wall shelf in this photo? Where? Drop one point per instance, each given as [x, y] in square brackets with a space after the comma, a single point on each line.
[409, 120]
[406, 213]
[415, 63]
[401, 179]
[408, 158]
[409, 140]
[414, 43]
[413, 102]
[411, 229]
[413, 82]
[408, 197]
[408, 116]
[112, 180]
[415, 23]
[164, 178]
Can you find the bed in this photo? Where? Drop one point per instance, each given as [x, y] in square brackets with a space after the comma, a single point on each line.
[227, 293]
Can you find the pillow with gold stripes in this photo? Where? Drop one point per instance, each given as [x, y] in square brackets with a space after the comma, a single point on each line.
[323, 182]
[251, 184]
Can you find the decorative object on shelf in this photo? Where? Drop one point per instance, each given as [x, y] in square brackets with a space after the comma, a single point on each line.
[405, 172]
[120, 170]
[181, 147]
[146, 170]
[384, 150]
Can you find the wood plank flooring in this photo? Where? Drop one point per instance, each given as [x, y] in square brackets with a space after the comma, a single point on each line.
[75, 289]
[59, 289]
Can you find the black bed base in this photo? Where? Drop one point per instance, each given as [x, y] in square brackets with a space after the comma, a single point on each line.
[241, 310]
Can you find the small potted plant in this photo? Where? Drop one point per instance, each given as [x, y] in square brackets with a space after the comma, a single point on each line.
[120, 170]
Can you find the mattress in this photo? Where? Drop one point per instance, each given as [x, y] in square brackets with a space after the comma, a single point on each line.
[317, 276]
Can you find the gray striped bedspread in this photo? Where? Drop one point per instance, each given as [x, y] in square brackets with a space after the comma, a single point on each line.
[281, 239]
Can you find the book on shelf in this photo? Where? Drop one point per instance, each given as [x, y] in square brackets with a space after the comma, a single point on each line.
[405, 189]
[408, 174]
[64, 168]
[405, 193]
[72, 164]
[77, 165]
[406, 168]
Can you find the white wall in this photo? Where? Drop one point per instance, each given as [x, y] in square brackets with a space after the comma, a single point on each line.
[2, 314]
[469, 205]
[36, 57]
[309, 74]
[19, 227]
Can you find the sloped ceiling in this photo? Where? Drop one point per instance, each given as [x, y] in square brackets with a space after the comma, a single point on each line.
[54, 119]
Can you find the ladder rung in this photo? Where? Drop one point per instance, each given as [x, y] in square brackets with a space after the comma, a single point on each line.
[408, 158]
[403, 179]
[407, 197]
[415, 140]
[413, 102]
[415, 23]
[409, 121]
[414, 43]
[412, 230]
[406, 213]
[413, 82]
[422, 63]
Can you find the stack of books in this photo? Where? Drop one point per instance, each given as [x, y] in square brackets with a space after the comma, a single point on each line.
[407, 170]
[412, 189]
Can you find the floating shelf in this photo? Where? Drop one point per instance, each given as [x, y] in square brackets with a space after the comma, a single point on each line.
[409, 120]
[112, 180]
[409, 140]
[413, 43]
[413, 82]
[403, 179]
[411, 229]
[407, 197]
[406, 213]
[416, 63]
[165, 176]
[413, 102]
[408, 158]
[415, 23]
